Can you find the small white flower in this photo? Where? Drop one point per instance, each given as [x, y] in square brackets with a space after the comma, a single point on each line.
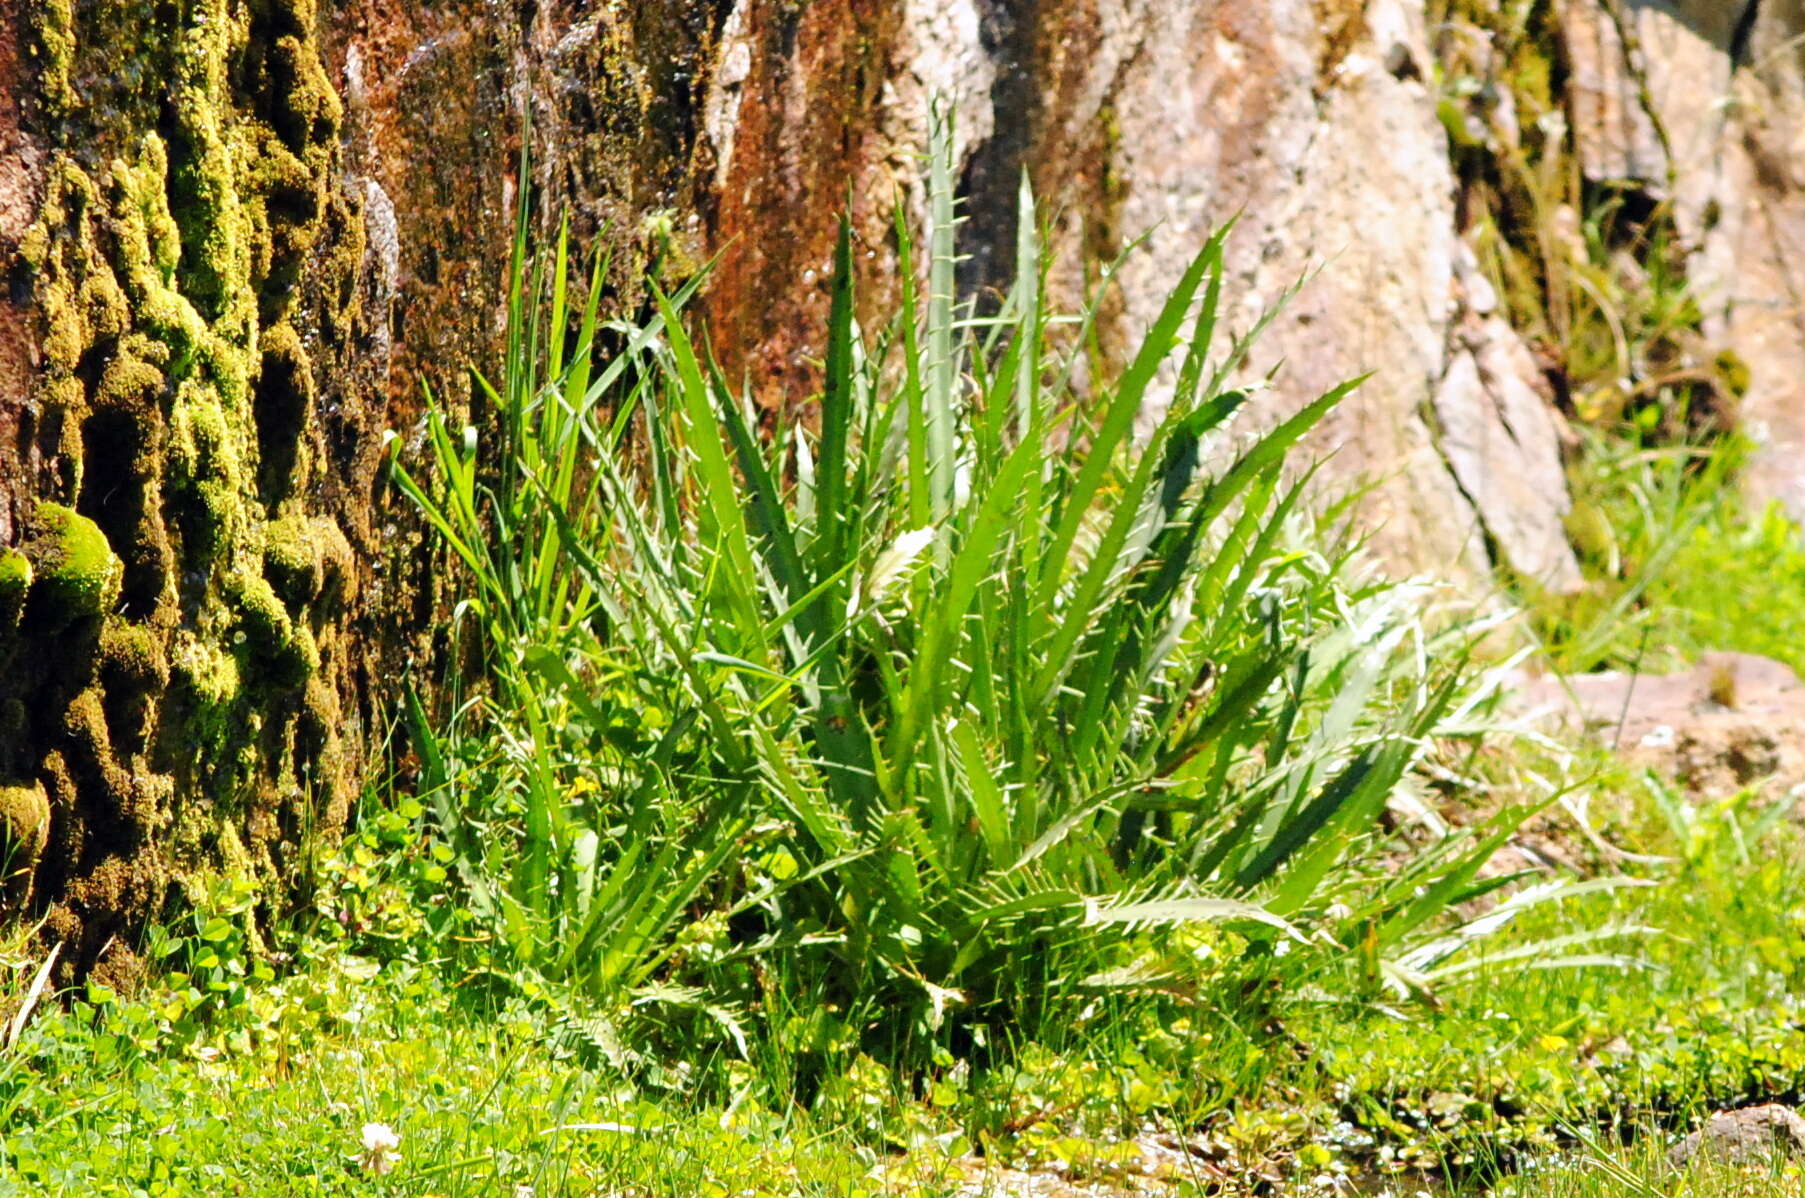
[523, 1190]
[380, 1143]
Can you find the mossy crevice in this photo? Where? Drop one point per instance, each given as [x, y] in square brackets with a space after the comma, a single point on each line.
[134, 673]
[1584, 268]
[284, 406]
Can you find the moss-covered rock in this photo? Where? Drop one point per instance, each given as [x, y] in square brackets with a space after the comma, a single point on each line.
[187, 271]
[134, 655]
[292, 559]
[281, 643]
[76, 573]
[208, 680]
[24, 832]
[134, 671]
[15, 582]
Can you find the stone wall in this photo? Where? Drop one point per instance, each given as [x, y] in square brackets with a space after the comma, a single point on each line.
[238, 236]
[1703, 104]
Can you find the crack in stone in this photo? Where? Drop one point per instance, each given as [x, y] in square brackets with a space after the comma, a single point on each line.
[1744, 34]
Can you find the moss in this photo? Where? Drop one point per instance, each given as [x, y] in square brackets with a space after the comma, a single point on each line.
[309, 563]
[203, 470]
[217, 255]
[90, 737]
[133, 655]
[55, 53]
[134, 671]
[261, 614]
[15, 574]
[77, 574]
[1532, 63]
[285, 646]
[129, 384]
[209, 685]
[300, 658]
[104, 306]
[293, 155]
[191, 193]
[285, 364]
[24, 833]
[15, 581]
[149, 249]
[284, 406]
[292, 560]
[61, 252]
[208, 674]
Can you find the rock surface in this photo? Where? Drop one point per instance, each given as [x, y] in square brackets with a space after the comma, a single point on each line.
[1499, 438]
[1732, 721]
[1703, 102]
[1750, 1136]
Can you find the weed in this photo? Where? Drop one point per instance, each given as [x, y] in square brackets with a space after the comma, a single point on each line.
[1676, 564]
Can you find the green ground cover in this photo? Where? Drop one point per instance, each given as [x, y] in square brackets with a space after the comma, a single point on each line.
[224, 1077]
[1676, 564]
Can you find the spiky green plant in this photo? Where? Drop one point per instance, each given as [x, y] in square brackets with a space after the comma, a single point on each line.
[989, 675]
[1015, 674]
[576, 846]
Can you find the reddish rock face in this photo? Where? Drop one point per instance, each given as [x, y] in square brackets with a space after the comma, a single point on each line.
[20, 187]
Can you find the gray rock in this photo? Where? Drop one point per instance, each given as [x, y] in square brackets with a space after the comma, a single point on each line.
[1499, 437]
[1339, 164]
[1751, 1136]
[1734, 720]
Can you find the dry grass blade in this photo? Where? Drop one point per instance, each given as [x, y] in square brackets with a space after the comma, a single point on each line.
[16, 1024]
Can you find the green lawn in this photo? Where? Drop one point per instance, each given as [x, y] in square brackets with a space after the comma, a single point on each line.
[221, 1081]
